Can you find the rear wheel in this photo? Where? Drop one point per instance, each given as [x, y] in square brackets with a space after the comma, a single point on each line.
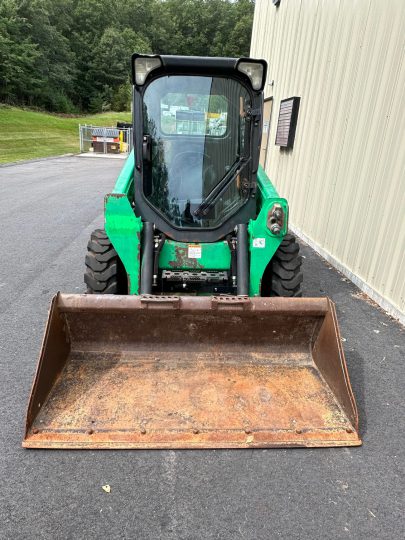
[283, 276]
[104, 273]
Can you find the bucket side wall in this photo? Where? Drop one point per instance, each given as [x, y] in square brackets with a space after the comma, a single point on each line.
[329, 358]
[53, 356]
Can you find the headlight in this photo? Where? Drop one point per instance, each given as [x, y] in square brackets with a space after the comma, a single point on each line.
[255, 71]
[143, 65]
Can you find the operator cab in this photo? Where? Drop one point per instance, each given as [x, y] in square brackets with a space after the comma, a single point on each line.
[197, 127]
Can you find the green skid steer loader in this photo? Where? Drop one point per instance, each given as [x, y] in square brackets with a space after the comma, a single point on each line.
[192, 333]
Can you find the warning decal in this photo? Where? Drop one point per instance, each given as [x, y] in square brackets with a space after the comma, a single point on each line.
[259, 242]
[194, 251]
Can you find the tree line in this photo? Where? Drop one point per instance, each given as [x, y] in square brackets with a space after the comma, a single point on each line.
[73, 56]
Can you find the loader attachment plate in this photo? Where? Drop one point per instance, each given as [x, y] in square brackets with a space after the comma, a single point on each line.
[191, 372]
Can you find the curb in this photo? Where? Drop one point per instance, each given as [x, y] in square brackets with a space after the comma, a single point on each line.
[34, 160]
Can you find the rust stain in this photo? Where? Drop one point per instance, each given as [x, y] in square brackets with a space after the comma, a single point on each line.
[182, 260]
[363, 296]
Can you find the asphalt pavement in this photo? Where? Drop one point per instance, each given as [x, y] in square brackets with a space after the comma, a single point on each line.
[48, 209]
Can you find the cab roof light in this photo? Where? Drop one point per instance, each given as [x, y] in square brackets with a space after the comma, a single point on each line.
[143, 65]
[255, 72]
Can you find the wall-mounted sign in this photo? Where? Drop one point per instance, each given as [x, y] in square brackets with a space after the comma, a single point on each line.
[287, 122]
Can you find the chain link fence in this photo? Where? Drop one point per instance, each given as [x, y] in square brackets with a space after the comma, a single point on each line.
[105, 140]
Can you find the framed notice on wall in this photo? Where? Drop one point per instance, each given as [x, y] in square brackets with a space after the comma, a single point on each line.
[287, 122]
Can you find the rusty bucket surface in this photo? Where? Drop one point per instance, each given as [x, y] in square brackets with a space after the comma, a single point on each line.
[191, 372]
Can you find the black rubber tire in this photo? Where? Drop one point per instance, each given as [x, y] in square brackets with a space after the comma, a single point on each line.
[283, 276]
[104, 271]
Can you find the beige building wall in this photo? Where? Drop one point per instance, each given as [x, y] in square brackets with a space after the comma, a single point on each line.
[344, 178]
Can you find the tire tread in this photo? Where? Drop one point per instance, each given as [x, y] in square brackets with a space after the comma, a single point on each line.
[102, 265]
[284, 276]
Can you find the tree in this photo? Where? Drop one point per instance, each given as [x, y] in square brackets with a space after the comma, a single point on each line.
[109, 68]
[75, 54]
[203, 27]
[18, 56]
[55, 65]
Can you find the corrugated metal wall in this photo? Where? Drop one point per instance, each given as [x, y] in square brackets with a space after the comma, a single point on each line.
[344, 178]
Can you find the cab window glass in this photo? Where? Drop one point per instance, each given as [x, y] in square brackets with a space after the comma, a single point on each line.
[193, 114]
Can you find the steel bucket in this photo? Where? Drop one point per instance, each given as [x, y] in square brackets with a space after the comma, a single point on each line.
[191, 372]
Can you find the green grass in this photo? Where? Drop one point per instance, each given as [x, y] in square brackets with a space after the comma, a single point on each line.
[27, 134]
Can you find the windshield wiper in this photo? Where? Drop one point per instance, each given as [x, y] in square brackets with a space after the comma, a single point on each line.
[218, 190]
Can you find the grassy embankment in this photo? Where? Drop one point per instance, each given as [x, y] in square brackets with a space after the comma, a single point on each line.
[26, 134]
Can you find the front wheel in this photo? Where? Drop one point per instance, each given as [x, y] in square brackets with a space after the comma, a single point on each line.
[283, 275]
[104, 271]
